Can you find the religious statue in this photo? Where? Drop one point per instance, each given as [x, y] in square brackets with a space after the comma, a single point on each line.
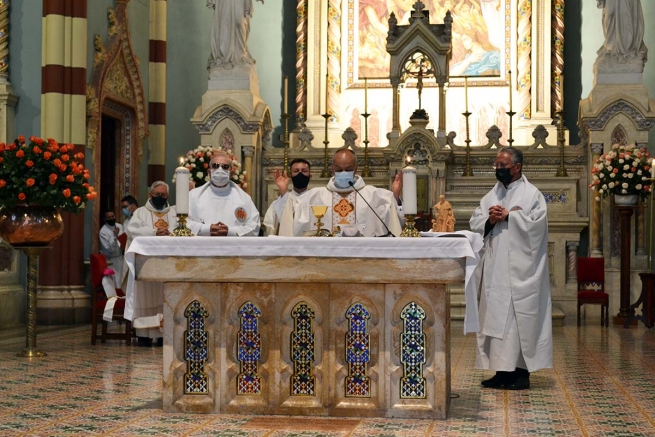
[623, 27]
[444, 219]
[229, 32]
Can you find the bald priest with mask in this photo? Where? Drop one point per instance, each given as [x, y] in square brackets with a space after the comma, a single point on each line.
[346, 197]
[220, 208]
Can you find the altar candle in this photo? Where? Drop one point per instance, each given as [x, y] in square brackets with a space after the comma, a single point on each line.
[327, 85]
[286, 94]
[409, 190]
[466, 94]
[182, 189]
[510, 90]
[652, 168]
[366, 95]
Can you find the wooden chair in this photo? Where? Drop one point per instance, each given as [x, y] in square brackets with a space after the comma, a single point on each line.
[591, 287]
[98, 302]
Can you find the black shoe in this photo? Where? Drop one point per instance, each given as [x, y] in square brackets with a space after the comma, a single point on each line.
[520, 383]
[144, 342]
[498, 380]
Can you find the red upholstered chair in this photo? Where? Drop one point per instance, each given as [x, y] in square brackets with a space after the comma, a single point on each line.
[98, 301]
[591, 287]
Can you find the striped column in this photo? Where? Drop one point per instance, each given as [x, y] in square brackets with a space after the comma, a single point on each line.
[63, 117]
[157, 92]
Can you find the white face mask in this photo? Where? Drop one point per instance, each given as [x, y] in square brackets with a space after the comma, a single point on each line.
[342, 179]
[220, 177]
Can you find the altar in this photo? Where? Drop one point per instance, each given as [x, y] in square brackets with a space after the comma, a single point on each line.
[307, 326]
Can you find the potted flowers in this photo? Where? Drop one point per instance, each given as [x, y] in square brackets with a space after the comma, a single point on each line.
[623, 172]
[37, 179]
[197, 161]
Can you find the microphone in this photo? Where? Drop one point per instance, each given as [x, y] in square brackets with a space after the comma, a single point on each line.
[371, 208]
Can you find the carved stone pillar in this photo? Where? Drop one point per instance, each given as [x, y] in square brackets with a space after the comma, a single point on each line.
[572, 261]
[441, 129]
[595, 225]
[640, 234]
[396, 108]
[248, 152]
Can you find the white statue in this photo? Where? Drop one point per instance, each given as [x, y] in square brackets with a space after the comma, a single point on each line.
[229, 34]
[623, 26]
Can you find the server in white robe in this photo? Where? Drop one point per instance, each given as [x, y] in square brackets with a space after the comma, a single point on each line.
[146, 299]
[515, 335]
[220, 207]
[110, 245]
[300, 170]
[346, 209]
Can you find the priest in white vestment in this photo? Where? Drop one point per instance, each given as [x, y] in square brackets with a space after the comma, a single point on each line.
[515, 335]
[346, 209]
[110, 246]
[146, 299]
[300, 170]
[220, 207]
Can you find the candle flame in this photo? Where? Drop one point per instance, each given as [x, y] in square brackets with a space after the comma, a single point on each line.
[181, 160]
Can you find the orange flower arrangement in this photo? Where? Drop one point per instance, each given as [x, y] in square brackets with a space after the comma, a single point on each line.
[43, 173]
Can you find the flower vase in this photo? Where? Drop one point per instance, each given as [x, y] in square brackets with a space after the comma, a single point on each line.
[30, 225]
[625, 199]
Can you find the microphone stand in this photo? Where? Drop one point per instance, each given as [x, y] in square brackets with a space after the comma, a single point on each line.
[352, 185]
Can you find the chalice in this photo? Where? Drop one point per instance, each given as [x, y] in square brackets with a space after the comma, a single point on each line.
[319, 212]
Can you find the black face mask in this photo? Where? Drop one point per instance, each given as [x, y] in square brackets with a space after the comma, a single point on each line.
[503, 175]
[300, 181]
[158, 202]
[111, 222]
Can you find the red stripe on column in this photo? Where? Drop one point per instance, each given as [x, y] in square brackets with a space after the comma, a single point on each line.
[156, 113]
[68, 8]
[157, 51]
[65, 80]
[156, 172]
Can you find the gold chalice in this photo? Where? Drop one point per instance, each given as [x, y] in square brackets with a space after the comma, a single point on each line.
[319, 212]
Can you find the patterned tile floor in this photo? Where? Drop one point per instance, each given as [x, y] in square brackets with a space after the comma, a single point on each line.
[603, 384]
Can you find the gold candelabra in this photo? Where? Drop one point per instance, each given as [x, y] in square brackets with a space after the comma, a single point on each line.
[409, 230]
[181, 230]
[367, 171]
[511, 114]
[467, 168]
[326, 168]
[561, 171]
[285, 116]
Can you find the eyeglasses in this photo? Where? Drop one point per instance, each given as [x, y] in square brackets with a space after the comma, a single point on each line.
[223, 166]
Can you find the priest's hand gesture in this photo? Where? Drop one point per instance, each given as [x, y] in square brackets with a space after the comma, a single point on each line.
[162, 232]
[397, 186]
[218, 230]
[281, 180]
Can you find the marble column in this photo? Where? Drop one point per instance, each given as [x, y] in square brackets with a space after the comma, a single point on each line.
[595, 225]
[441, 129]
[572, 261]
[248, 152]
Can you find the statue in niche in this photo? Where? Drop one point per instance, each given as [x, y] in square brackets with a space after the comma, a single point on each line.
[623, 27]
[444, 218]
[229, 32]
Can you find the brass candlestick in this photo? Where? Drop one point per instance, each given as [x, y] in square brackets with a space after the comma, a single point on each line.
[511, 114]
[367, 171]
[32, 254]
[326, 168]
[467, 168]
[181, 230]
[409, 230]
[285, 116]
[561, 171]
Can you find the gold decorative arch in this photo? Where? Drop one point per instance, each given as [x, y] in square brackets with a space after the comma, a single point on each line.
[117, 90]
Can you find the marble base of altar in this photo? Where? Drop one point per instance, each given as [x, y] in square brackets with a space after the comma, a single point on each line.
[306, 335]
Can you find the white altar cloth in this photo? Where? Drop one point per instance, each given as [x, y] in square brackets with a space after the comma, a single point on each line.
[399, 248]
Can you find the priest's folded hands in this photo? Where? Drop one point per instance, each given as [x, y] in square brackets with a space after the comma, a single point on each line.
[218, 230]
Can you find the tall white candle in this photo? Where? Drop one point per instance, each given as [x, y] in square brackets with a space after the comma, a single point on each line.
[466, 94]
[366, 95]
[409, 190]
[182, 189]
[286, 94]
[652, 169]
[510, 90]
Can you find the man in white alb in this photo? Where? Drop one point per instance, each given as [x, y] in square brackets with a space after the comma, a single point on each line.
[300, 175]
[110, 245]
[146, 299]
[515, 335]
[128, 206]
[346, 209]
[219, 207]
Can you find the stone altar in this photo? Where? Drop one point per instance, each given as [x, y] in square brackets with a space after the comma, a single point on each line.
[306, 326]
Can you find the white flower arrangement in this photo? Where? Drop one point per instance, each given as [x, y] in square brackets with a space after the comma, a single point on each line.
[197, 161]
[622, 170]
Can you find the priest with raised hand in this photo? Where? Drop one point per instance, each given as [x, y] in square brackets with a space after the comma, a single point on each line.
[346, 197]
[300, 170]
[220, 208]
[515, 336]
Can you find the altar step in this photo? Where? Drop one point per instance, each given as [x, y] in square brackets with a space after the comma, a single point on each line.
[458, 307]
